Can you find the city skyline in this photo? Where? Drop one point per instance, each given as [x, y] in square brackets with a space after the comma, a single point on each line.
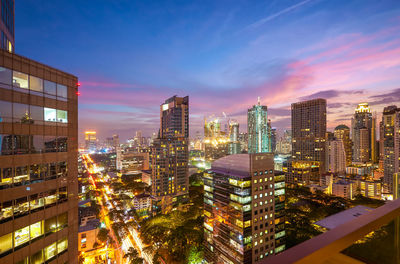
[223, 60]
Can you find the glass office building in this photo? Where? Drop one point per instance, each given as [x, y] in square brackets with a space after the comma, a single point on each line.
[38, 162]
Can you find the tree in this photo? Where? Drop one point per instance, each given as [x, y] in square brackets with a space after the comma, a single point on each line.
[133, 256]
[103, 235]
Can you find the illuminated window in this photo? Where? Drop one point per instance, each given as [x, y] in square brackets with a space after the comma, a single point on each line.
[6, 243]
[35, 84]
[62, 245]
[21, 236]
[50, 251]
[50, 114]
[20, 80]
[36, 229]
[62, 116]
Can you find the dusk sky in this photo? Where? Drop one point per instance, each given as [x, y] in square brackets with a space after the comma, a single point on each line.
[132, 55]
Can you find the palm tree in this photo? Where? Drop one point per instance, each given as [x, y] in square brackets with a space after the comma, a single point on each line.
[133, 256]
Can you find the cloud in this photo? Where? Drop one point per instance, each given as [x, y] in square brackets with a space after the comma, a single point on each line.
[275, 15]
[387, 98]
[329, 94]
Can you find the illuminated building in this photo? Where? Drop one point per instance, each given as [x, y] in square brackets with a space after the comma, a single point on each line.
[216, 141]
[371, 189]
[273, 139]
[134, 161]
[38, 162]
[342, 132]
[391, 145]
[361, 169]
[170, 154]
[7, 25]
[243, 209]
[234, 144]
[308, 140]
[300, 172]
[90, 140]
[336, 156]
[361, 125]
[258, 130]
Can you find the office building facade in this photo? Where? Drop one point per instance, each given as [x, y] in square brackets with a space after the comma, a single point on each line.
[216, 141]
[336, 156]
[240, 223]
[38, 162]
[391, 146]
[170, 154]
[258, 130]
[309, 132]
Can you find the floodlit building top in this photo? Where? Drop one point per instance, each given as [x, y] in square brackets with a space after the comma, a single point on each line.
[238, 165]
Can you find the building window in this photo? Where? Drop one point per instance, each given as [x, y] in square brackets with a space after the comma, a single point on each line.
[5, 76]
[20, 80]
[6, 243]
[50, 114]
[36, 84]
[50, 88]
[21, 236]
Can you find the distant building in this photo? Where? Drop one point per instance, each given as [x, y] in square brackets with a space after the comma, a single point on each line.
[344, 189]
[361, 125]
[87, 235]
[391, 145]
[342, 132]
[309, 132]
[244, 216]
[134, 161]
[336, 156]
[90, 140]
[257, 129]
[170, 154]
[216, 141]
[273, 139]
[362, 169]
[370, 189]
[142, 204]
[234, 144]
[302, 173]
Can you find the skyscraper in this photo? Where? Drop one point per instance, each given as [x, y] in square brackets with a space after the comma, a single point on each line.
[361, 125]
[342, 132]
[336, 158]
[216, 141]
[234, 144]
[257, 129]
[7, 25]
[308, 134]
[243, 202]
[38, 162]
[90, 140]
[169, 154]
[273, 139]
[391, 145]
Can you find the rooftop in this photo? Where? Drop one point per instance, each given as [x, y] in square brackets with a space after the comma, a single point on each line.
[338, 219]
[236, 165]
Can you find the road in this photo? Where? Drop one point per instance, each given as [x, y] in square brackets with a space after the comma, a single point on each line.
[130, 240]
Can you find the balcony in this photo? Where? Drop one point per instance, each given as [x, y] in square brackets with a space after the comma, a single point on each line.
[342, 244]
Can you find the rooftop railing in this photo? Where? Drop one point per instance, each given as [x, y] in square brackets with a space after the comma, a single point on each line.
[329, 246]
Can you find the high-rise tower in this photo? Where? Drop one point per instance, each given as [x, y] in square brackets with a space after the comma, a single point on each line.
[342, 132]
[308, 139]
[391, 146]
[362, 132]
[169, 154]
[258, 130]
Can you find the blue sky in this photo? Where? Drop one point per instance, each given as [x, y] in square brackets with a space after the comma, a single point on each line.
[132, 55]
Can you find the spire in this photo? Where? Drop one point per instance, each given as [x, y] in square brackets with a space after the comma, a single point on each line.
[259, 100]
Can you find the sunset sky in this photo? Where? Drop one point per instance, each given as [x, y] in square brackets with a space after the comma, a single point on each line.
[132, 55]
